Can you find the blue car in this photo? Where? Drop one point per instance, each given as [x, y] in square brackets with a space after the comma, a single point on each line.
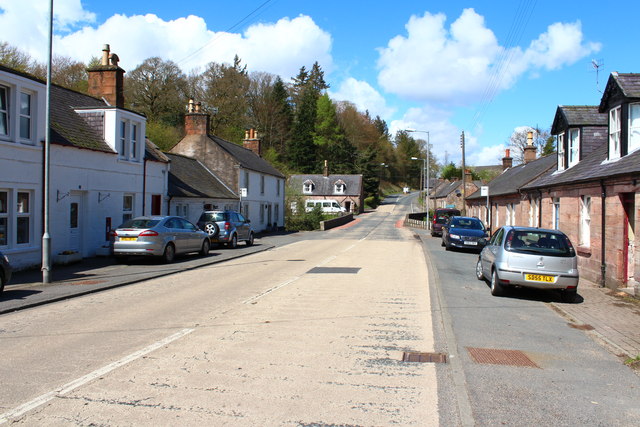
[464, 233]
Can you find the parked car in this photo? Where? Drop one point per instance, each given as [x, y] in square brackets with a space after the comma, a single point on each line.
[165, 236]
[5, 271]
[226, 227]
[465, 233]
[529, 257]
[440, 217]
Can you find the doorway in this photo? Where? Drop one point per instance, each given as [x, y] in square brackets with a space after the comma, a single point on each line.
[75, 222]
[629, 205]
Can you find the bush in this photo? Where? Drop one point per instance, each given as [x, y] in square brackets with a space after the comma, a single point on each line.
[305, 221]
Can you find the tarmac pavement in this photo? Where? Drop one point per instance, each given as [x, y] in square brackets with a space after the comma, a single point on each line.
[609, 317]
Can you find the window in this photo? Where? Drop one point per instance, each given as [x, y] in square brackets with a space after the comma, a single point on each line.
[4, 218]
[262, 209]
[277, 187]
[4, 111]
[560, 145]
[634, 127]
[261, 184]
[556, 213]
[614, 133]
[134, 141]
[339, 187]
[25, 115]
[585, 221]
[23, 218]
[574, 146]
[276, 212]
[123, 139]
[246, 180]
[127, 207]
[534, 212]
[308, 187]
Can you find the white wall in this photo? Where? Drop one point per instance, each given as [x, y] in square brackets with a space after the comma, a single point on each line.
[257, 203]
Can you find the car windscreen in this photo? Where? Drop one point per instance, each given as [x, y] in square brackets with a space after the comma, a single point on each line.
[539, 242]
[212, 217]
[467, 223]
[141, 223]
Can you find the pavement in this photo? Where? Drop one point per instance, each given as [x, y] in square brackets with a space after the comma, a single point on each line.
[608, 316]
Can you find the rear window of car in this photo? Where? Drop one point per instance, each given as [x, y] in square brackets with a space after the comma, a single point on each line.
[467, 223]
[539, 243]
[140, 223]
[441, 217]
[212, 217]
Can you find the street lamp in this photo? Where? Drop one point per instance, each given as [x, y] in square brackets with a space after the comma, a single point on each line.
[428, 167]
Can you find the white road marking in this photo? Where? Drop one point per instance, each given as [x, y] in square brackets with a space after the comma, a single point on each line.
[268, 291]
[69, 387]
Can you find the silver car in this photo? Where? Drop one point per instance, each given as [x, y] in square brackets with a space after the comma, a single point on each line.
[529, 257]
[5, 271]
[164, 236]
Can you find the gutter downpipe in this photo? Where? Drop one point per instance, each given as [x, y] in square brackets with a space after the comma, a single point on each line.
[144, 185]
[603, 265]
[539, 208]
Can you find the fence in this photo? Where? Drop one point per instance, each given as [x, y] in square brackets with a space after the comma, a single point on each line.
[416, 220]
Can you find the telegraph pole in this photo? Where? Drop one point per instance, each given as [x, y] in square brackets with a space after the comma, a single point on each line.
[464, 196]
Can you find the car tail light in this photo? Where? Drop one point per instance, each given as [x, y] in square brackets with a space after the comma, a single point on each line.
[227, 226]
[113, 234]
[148, 233]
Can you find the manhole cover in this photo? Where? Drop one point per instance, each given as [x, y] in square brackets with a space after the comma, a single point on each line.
[494, 356]
[411, 356]
[334, 270]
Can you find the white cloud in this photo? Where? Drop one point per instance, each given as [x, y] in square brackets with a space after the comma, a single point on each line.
[280, 48]
[364, 96]
[457, 65]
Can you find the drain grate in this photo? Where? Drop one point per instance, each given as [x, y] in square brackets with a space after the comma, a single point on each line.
[412, 356]
[334, 270]
[494, 356]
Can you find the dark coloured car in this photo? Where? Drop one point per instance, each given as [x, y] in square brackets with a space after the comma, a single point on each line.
[5, 271]
[226, 227]
[529, 257]
[464, 233]
[440, 218]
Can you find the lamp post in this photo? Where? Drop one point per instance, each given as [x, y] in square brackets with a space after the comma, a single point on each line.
[428, 162]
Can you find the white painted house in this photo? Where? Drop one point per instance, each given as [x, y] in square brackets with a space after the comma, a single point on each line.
[102, 169]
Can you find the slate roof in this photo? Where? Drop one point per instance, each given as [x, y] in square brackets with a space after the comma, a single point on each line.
[324, 185]
[190, 178]
[447, 189]
[153, 153]
[577, 115]
[627, 83]
[247, 158]
[594, 167]
[512, 179]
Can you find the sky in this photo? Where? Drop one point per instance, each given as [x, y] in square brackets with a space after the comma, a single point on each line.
[487, 68]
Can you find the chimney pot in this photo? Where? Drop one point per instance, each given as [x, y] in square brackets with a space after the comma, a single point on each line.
[105, 55]
[252, 142]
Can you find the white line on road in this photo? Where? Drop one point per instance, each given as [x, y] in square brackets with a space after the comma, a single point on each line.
[268, 291]
[69, 387]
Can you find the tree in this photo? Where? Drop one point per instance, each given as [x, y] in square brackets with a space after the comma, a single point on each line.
[331, 143]
[301, 153]
[550, 146]
[13, 57]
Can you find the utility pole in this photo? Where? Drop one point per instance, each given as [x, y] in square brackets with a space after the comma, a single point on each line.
[464, 196]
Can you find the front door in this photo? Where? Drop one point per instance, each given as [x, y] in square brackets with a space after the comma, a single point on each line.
[75, 223]
[628, 201]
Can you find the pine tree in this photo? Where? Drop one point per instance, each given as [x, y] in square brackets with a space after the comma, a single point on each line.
[301, 153]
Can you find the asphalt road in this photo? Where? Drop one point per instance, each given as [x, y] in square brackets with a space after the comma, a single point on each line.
[521, 361]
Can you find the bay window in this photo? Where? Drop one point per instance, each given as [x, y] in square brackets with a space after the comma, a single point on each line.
[560, 145]
[634, 127]
[574, 146]
[614, 133]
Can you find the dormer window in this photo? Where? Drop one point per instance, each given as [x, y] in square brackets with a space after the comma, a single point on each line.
[634, 127]
[560, 145]
[339, 187]
[308, 187]
[614, 133]
[574, 146]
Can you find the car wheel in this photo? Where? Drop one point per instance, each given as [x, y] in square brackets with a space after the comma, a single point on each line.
[233, 243]
[249, 241]
[206, 246]
[169, 253]
[479, 274]
[212, 229]
[497, 289]
[1, 283]
[569, 295]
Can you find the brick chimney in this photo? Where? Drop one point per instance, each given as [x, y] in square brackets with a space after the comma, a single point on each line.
[107, 79]
[195, 121]
[529, 150]
[252, 142]
[325, 170]
[507, 160]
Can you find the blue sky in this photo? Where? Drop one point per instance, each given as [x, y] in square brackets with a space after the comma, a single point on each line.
[484, 67]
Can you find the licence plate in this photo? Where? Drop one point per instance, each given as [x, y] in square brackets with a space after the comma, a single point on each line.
[128, 239]
[539, 278]
[471, 243]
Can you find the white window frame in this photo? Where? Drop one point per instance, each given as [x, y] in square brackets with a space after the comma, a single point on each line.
[560, 148]
[614, 132]
[262, 209]
[24, 212]
[134, 141]
[585, 221]
[634, 127]
[5, 218]
[307, 187]
[5, 116]
[122, 139]
[128, 203]
[262, 184]
[556, 213]
[339, 188]
[26, 116]
[277, 187]
[574, 147]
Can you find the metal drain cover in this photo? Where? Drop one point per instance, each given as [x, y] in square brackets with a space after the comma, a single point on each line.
[494, 356]
[411, 356]
[334, 270]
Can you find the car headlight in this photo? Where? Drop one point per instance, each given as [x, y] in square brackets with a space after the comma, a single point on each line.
[454, 236]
